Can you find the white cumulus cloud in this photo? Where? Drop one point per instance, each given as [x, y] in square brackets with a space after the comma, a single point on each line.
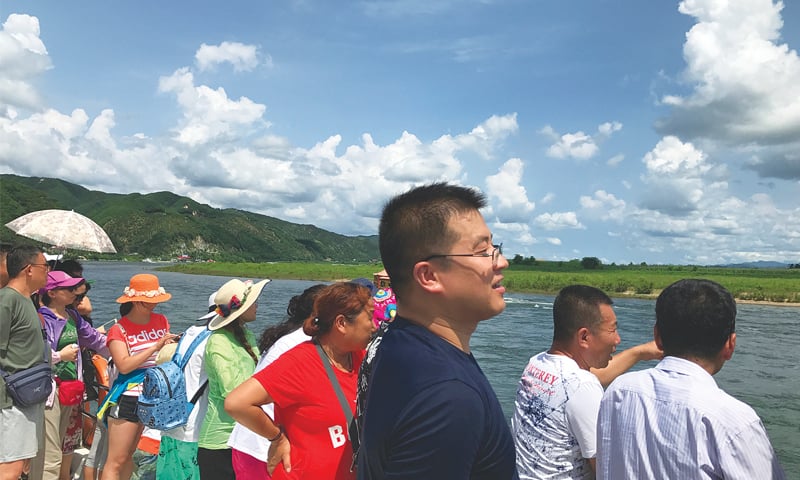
[507, 195]
[558, 221]
[242, 57]
[23, 56]
[208, 113]
[745, 83]
[578, 145]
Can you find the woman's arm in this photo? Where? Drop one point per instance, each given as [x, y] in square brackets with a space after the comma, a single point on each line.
[244, 405]
[88, 336]
[127, 363]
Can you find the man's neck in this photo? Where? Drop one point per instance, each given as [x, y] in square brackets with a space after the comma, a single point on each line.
[21, 285]
[456, 333]
[558, 349]
[712, 366]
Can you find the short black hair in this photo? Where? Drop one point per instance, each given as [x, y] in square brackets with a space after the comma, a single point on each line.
[695, 317]
[71, 267]
[576, 307]
[414, 225]
[19, 257]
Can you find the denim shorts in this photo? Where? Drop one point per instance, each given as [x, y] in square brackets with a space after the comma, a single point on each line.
[125, 409]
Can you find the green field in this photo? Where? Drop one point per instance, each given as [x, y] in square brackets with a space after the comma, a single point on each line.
[751, 284]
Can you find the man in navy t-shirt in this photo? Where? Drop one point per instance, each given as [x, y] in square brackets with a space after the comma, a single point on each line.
[428, 409]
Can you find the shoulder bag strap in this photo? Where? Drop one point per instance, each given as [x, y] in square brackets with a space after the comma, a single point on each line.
[45, 355]
[124, 336]
[348, 413]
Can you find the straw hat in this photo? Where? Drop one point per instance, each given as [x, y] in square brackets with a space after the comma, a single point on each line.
[166, 353]
[144, 287]
[233, 299]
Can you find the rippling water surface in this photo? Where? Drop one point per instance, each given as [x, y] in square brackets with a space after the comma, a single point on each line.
[764, 371]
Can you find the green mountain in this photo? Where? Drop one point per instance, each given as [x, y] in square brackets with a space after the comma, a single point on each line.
[163, 225]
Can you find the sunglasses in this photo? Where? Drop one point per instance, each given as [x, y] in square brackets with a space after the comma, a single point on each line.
[79, 297]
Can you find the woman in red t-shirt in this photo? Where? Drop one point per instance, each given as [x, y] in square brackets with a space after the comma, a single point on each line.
[309, 435]
[134, 343]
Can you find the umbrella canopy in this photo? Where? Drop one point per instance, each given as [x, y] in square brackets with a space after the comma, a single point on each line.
[63, 229]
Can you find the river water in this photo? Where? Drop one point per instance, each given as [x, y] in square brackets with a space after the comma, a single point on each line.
[764, 371]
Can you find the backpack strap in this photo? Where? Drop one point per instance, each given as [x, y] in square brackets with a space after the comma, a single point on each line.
[199, 393]
[182, 360]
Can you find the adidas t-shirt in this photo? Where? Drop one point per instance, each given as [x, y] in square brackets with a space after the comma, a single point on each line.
[138, 338]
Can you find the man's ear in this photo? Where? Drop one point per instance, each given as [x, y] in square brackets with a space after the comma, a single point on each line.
[729, 347]
[426, 276]
[582, 337]
[657, 338]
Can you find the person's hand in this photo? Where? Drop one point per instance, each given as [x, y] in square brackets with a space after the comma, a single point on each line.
[167, 338]
[650, 351]
[279, 452]
[85, 307]
[69, 353]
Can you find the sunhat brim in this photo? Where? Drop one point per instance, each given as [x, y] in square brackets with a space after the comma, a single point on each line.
[144, 299]
[218, 321]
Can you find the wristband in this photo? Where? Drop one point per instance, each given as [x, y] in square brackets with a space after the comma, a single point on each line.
[278, 436]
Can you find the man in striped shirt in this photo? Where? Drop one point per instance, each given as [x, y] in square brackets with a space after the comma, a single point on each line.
[673, 421]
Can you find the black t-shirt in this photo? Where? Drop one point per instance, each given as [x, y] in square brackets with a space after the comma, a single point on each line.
[430, 413]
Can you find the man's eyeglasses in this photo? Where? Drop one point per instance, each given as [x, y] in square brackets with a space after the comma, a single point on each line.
[495, 253]
[79, 297]
[45, 265]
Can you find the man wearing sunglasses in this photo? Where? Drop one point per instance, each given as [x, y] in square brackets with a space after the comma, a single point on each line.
[429, 411]
[21, 346]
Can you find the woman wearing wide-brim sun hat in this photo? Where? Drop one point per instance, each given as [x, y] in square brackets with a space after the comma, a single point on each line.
[230, 358]
[134, 343]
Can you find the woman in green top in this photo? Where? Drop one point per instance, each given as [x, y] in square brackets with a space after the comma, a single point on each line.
[230, 359]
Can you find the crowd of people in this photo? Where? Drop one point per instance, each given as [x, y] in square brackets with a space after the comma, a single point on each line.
[341, 390]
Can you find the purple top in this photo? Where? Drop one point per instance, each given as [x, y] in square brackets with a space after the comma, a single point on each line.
[88, 337]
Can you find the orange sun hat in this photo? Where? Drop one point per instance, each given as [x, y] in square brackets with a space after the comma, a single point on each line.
[144, 287]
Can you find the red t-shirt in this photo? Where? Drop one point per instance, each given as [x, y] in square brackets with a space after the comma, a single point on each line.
[308, 408]
[140, 337]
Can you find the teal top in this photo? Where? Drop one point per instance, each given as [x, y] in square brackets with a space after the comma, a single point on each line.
[227, 365]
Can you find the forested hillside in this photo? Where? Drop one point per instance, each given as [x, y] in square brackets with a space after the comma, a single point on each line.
[163, 225]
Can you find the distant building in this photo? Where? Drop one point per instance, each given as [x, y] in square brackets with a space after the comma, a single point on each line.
[381, 279]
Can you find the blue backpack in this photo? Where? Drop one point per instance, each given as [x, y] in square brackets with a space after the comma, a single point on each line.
[163, 403]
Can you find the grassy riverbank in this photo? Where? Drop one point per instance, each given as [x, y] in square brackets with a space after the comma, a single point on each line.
[780, 286]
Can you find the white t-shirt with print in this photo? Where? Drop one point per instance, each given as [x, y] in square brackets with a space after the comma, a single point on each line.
[555, 419]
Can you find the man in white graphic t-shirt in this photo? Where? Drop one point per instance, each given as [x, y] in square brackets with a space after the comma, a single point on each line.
[558, 397]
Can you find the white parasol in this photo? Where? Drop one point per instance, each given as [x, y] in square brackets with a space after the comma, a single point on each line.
[63, 229]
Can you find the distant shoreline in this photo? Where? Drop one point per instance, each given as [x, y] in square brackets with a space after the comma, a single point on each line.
[654, 296]
[516, 281]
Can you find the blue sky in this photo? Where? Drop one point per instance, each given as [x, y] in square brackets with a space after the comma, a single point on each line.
[663, 132]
